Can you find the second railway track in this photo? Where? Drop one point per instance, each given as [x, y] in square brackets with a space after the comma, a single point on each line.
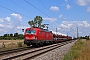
[13, 50]
[31, 53]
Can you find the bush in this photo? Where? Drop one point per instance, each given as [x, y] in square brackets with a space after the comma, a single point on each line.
[19, 44]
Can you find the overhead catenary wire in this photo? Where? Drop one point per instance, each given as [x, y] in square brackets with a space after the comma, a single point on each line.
[28, 10]
[14, 11]
[22, 7]
[45, 7]
[25, 9]
[43, 4]
[38, 9]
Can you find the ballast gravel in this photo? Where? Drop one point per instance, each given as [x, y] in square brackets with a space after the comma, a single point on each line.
[56, 54]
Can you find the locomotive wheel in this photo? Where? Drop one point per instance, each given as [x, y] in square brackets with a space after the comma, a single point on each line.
[41, 44]
[36, 45]
[28, 44]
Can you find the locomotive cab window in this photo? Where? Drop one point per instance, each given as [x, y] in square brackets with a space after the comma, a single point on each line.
[30, 31]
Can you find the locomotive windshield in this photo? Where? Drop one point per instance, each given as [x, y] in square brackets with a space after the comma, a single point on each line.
[30, 31]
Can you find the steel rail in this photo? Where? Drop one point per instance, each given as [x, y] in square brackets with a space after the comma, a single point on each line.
[14, 50]
[13, 57]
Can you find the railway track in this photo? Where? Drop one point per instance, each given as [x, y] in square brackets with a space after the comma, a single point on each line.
[14, 50]
[31, 53]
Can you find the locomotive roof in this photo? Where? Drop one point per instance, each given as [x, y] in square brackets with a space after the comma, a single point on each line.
[38, 29]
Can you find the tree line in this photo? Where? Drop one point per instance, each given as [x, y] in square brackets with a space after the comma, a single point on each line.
[85, 37]
[36, 22]
[12, 36]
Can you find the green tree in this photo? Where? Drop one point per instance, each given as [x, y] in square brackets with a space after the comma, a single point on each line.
[21, 36]
[37, 22]
[1, 37]
[31, 23]
[11, 35]
[5, 35]
[8, 35]
[15, 34]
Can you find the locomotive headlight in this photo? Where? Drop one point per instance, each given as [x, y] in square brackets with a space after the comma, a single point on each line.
[27, 37]
[35, 38]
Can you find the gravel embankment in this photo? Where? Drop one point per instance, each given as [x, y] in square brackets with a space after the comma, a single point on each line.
[56, 54]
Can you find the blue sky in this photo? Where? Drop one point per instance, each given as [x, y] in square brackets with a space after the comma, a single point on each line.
[65, 15]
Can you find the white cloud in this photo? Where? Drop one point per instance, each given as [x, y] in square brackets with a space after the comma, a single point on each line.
[1, 25]
[10, 26]
[83, 2]
[84, 24]
[68, 6]
[8, 19]
[21, 27]
[60, 16]
[17, 16]
[69, 25]
[58, 28]
[74, 24]
[50, 19]
[88, 9]
[1, 20]
[54, 8]
[63, 25]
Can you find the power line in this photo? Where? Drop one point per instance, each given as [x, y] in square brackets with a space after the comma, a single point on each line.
[45, 7]
[14, 11]
[21, 6]
[29, 11]
[43, 4]
[38, 9]
[35, 7]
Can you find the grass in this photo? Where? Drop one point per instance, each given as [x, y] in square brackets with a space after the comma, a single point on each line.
[80, 51]
[11, 44]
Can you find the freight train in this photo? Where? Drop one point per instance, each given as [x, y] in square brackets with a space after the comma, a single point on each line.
[38, 36]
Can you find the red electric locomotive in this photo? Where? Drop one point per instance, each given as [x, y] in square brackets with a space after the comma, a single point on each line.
[37, 36]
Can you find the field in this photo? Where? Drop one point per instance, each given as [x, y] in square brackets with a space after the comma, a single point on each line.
[10, 44]
[80, 51]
